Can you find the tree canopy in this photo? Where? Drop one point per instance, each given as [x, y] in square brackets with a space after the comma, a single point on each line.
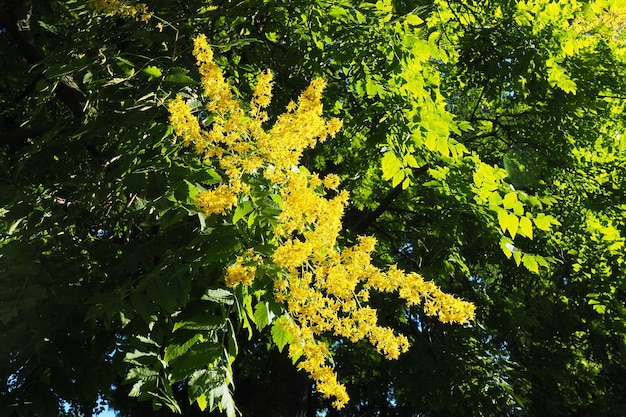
[342, 208]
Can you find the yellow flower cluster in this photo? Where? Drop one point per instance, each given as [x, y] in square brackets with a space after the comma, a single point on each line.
[122, 8]
[185, 124]
[239, 274]
[215, 87]
[216, 201]
[324, 288]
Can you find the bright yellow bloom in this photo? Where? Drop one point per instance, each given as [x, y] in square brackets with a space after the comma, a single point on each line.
[262, 95]
[331, 181]
[324, 289]
[292, 253]
[185, 123]
[215, 87]
[238, 274]
[333, 127]
[216, 201]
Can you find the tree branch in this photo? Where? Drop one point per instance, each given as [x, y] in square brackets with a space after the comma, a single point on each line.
[366, 221]
[16, 138]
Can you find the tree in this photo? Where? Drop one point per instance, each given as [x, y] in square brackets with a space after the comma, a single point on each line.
[481, 146]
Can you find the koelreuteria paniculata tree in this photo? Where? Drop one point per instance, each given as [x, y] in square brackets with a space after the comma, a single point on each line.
[476, 137]
[323, 288]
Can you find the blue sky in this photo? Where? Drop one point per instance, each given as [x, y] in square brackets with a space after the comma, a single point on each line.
[107, 413]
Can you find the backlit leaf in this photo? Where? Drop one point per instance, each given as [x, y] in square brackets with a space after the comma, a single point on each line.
[280, 335]
[530, 263]
[152, 71]
[526, 227]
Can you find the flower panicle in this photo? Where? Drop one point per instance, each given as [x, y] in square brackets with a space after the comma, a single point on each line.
[324, 289]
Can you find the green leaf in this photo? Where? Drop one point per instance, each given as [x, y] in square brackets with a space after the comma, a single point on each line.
[202, 381]
[280, 335]
[141, 373]
[465, 126]
[390, 165]
[526, 227]
[204, 322]
[558, 78]
[599, 308]
[136, 390]
[544, 222]
[219, 295]
[174, 351]
[442, 145]
[262, 314]
[226, 403]
[161, 292]
[197, 357]
[242, 210]
[530, 263]
[413, 20]
[495, 199]
[179, 76]
[185, 192]
[232, 345]
[512, 222]
[503, 219]
[411, 161]
[246, 302]
[152, 71]
[507, 246]
[509, 200]
[431, 141]
[202, 402]
[371, 88]
[397, 178]
[360, 18]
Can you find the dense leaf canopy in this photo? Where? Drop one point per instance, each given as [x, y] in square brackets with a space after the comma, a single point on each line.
[256, 207]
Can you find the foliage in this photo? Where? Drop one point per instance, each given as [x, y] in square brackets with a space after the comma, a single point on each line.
[483, 150]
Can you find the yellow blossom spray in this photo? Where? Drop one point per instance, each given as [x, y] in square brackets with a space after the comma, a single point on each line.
[323, 288]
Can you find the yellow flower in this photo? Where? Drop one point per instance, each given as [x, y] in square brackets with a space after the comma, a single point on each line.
[185, 123]
[322, 287]
[333, 127]
[262, 95]
[292, 253]
[238, 274]
[215, 87]
[331, 181]
[367, 243]
[216, 201]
